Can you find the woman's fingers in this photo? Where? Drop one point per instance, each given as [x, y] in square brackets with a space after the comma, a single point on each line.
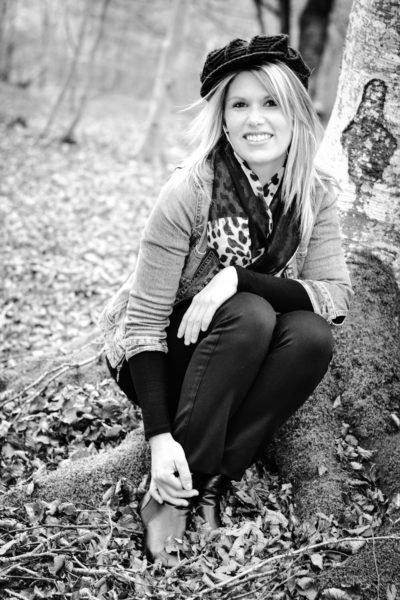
[197, 315]
[187, 327]
[155, 493]
[207, 317]
[177, 501]
[162, 492]
[173, 485]
[184, 473]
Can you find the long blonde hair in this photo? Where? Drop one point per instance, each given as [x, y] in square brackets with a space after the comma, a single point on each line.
[300, 177]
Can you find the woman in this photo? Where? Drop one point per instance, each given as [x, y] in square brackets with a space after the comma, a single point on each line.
[222, 331]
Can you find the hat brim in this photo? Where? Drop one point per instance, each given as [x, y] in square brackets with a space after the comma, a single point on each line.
[255, 59]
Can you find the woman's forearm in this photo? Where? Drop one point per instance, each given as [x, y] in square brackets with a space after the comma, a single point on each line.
[284, 295]
[149, 374]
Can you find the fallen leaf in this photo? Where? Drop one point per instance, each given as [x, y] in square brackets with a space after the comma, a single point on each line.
[391, 592]
[336, 594]
[317, 560]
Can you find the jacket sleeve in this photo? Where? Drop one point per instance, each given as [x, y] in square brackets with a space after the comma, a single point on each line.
[323, 271]
[163, 249]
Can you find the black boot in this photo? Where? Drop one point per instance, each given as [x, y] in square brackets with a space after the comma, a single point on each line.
[211, 488]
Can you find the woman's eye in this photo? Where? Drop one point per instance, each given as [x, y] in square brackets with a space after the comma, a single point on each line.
[239, 104]
[270, 102]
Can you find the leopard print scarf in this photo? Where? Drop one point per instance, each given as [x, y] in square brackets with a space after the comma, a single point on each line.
[274, 235]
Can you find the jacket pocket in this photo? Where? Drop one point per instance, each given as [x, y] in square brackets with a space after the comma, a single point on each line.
[208, 267]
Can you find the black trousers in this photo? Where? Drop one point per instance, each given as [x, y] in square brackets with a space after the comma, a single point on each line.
[246, 375]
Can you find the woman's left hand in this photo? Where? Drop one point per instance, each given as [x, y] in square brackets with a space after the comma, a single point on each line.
[204, 304]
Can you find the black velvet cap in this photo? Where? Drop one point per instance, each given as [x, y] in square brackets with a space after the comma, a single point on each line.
[240, 55]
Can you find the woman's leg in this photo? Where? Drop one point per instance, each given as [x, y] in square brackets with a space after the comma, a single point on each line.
[218, 377]
[298, 358]
[246, 375]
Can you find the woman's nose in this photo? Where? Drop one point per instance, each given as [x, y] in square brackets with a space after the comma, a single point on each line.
[255, 116]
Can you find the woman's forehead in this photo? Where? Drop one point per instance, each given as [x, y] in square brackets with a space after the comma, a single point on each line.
[247, 83]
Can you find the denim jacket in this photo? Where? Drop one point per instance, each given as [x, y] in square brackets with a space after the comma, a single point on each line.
[175, 263]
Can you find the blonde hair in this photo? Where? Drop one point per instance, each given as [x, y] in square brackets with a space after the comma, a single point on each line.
[301, 176]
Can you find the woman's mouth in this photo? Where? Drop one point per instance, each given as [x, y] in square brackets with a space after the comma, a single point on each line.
[257, 137]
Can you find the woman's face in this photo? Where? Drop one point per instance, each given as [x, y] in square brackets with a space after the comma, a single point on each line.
[256, 127]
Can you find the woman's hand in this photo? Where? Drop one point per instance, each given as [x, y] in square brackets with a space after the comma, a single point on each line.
[171, 480]
[204, 304]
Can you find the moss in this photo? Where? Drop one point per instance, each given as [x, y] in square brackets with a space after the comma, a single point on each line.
[365, 373]
[378, 562]
[368, 357]
[85, 480]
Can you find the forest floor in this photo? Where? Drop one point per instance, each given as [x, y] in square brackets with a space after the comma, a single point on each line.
[72, 217]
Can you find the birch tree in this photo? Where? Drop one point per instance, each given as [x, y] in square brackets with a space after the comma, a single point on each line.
[361, 144]
[150, 146]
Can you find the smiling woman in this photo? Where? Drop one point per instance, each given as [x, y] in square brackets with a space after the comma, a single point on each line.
[222, 331]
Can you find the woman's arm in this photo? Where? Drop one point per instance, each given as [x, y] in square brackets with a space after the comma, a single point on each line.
[323, 272]
[163, 250]
[284, 295]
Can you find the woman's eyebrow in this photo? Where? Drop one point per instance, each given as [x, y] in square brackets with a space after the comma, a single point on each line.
[245, 97]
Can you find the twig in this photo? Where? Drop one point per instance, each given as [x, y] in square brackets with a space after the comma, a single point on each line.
[86, 571]
[60, 371]
[48, 526]
[376, 565]
[33, 554]
[14, 594]
[253, 590]
[278, 585]
[34, 577]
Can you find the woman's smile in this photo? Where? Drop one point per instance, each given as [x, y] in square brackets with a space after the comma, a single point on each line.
[257, 138]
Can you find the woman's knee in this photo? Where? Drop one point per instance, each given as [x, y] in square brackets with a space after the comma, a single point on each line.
[310, 333]
[251, 317]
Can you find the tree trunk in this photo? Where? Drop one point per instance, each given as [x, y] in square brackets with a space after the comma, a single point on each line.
[45, 44]
[8, 12]
[150, 146]
[361, 142]
[71, 72]
[284, 6]
[260, 16]
[69, 134]
[313, 33]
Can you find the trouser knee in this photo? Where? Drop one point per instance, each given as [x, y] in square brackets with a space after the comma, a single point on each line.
[249, 318]
[310, 335]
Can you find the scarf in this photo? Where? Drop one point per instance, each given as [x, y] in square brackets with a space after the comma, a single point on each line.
[273, 232]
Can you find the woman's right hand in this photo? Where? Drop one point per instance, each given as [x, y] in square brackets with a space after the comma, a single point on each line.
[171, 480]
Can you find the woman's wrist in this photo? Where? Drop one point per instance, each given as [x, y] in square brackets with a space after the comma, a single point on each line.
[160, 439]
[233, 276]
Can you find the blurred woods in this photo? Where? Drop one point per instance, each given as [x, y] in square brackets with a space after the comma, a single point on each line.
[118, 69]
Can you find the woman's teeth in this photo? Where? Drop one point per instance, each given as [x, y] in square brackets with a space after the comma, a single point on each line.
[257, 137]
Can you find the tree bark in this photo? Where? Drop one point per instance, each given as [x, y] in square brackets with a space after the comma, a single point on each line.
[361, 144]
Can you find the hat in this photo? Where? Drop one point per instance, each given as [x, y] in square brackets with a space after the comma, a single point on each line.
[240, 55]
